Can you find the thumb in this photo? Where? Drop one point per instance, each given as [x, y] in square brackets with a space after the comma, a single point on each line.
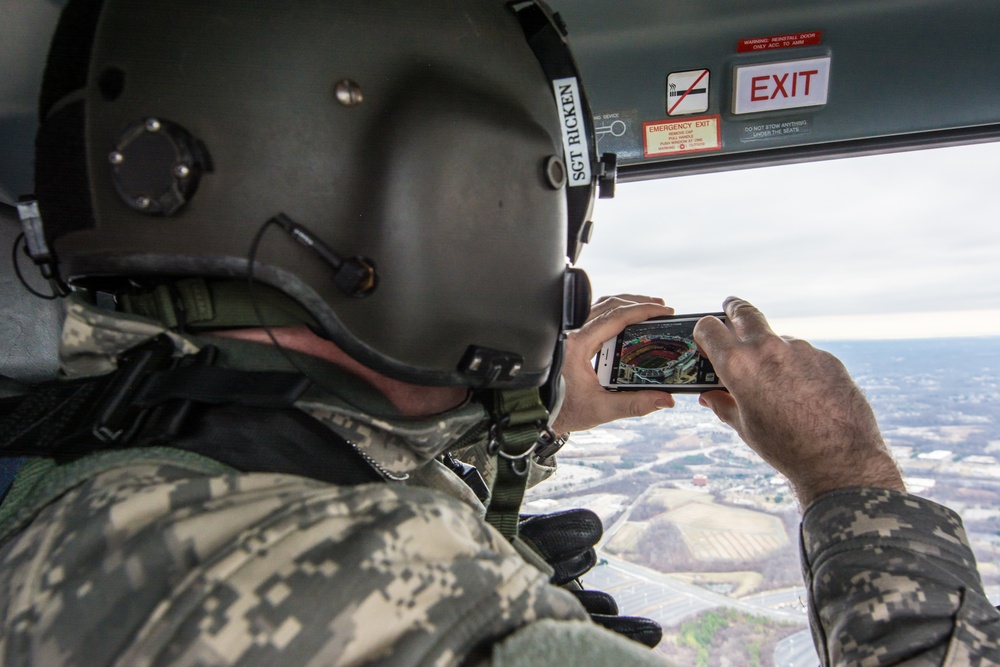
[713, 338]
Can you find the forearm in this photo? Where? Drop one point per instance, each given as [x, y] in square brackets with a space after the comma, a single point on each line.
[891, 578]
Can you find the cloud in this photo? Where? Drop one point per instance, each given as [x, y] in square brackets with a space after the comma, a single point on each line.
[900, 233]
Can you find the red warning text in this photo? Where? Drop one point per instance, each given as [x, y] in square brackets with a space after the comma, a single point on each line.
[770, 86]
[673, 137]
[779, 41]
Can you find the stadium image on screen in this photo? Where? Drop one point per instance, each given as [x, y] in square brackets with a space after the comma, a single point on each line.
[658, 354]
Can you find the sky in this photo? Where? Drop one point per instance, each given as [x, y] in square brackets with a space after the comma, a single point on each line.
[905, 245]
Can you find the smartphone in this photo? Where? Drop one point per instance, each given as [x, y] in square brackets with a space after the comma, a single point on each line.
[657, 354]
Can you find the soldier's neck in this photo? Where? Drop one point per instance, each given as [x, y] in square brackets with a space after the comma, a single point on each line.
[411, 400]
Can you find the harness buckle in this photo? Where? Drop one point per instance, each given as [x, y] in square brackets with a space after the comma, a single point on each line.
[117, 418]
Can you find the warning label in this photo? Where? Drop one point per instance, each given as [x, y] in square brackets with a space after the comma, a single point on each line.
[784, 129]
[672, 137]
[779, 41]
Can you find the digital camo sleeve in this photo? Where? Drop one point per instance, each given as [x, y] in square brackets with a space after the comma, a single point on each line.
[892, 581]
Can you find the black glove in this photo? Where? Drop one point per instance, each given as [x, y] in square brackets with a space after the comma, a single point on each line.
[565, 540]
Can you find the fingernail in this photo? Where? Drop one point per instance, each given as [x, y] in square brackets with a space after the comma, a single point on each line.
[662, 403]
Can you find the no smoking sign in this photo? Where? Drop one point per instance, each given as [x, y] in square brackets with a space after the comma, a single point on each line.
[687, 92]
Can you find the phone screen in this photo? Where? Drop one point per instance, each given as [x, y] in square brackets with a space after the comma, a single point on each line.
[657, 354]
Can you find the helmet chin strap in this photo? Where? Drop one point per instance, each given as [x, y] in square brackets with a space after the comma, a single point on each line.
[520, 430]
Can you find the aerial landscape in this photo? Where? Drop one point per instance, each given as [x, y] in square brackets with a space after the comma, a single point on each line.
[702, 535]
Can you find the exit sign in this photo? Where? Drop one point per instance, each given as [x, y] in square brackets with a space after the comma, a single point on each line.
[783, 85]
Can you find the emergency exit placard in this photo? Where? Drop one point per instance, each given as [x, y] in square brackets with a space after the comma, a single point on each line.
[783, 85]
[673, 137]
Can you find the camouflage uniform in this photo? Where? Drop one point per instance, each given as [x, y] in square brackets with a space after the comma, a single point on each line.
[892, 581]
[155, 556]
[158, 556]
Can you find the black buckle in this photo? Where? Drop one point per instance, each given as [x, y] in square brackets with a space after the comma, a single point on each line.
[548, 444]
[117, 421]
[490, 367]
[468, 474]
[167, 418]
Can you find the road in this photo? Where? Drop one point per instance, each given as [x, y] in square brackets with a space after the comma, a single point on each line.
[621, 474]
[787, 598]
[609, 531]
[641, 591]
[645, 592]
[796, 651]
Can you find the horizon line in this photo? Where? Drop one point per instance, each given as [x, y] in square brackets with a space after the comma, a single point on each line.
[981, 323]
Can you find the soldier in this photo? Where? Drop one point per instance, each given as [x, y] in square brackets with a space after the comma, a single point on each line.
[311, 253]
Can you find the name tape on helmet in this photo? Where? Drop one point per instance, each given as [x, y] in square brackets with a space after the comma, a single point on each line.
[574, 133]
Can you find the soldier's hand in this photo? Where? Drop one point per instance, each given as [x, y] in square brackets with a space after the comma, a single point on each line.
[794, 405]
[587, 403]
[566, 540]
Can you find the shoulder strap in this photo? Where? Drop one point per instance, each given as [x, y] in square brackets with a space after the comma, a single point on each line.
[520, 419]
[244, 419]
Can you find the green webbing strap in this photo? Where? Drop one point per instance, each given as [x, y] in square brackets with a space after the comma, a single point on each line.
[519, 416]
[181, 302]
[199, 304]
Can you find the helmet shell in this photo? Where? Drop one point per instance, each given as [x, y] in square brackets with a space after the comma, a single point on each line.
[433, 166]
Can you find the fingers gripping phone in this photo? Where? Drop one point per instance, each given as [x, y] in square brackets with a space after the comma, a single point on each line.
[657, 354]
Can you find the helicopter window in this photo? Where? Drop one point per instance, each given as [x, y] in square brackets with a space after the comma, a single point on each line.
[887, 261]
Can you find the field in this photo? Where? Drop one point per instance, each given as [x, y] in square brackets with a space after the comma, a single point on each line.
[711, 532]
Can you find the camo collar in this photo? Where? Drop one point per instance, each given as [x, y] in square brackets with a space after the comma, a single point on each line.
[93, 339]
[397, 446]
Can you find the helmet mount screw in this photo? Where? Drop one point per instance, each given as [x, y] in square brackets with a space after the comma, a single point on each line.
[152, 125]
[182, 171]
[555, 172]
[116, 158]
[143, 202]
[348, 93]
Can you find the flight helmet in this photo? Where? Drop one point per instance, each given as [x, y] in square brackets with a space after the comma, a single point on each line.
[418, 176]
